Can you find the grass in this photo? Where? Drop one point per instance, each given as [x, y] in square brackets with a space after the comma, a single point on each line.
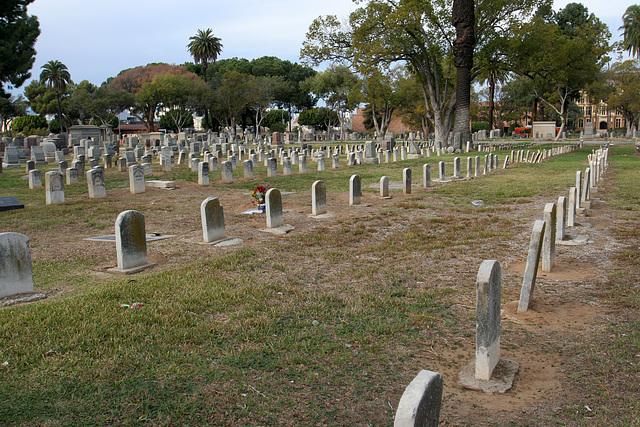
[324, 327]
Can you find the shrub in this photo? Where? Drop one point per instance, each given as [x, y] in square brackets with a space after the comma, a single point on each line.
[22, 123]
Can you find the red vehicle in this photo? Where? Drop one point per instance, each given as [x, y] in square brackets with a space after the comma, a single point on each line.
[524, 132]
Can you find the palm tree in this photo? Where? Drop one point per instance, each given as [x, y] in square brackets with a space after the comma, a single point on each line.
[56, 76]
[631, 27]
[204, 46]
[463, 19]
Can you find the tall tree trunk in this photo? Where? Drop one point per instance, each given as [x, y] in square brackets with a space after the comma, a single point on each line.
[534, 113]
[206, 110]
[492, 90]
[59, 110]
[463, 18]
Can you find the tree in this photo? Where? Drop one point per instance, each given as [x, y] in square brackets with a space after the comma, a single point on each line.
[320, 118]
[381, 94]
[18, 35]
[132, 81]
[42, 100]
[338, 86]
[205, 47]
[562, 59]
[56, 76]
[82, 100]
[233, 95]
[275, 117]
[631, 28]
[624, 80]
[108, 103]
[168, 121]
[463, 19]
[181, 95]
[10, 108]
[418, 33]
[28, 123]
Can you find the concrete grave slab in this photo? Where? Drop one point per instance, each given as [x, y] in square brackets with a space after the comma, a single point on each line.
[501, 379]
[150, 237]
[9, 203]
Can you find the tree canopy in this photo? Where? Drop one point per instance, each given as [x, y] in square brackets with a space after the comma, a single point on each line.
[18, 35]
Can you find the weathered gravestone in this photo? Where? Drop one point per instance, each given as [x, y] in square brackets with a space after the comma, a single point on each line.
[273, 208]
[95, 184]
[318, 198]
[531, 269]
[54, 186]
[11, 158]
[203, 173]
[302, 164]
[35, 179]
[248, 169]
[426, 175]
[131, 243]
[71, 175]
[488, 320]
[561, 218]
[384, 187]
[549, 240]
[212, 216]
[37, 155]
[16, 275]
[226, 172]
[406, 181]
[481, 373]
[420, 403]
[272, 165]
[355, 190]
[136, 179]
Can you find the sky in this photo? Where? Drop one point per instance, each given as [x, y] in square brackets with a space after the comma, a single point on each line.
[97, 39]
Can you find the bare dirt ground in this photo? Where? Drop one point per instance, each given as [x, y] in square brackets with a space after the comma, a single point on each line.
[567, 303]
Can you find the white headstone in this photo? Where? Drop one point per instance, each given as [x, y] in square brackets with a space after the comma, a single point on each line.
[131, 240]
[54, 186]
[488, 319]
[273, 208]
[16, 274]
[212, 216]
[136, 179]
[355, 191]
[549, 240]
[420, 403]
[95, 183]
[531, 269]
[318, 198]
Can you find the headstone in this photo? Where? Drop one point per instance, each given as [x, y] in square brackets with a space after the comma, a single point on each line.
[35, 179]
[10, 203]
[456, 168]
[11, 158]
[355, 190]
[213, 163]
[286, 166]
[384, 187]
[420, 403]
[561, 218]
[406, 181]
[531, 269]
[442, 174]
[71, 175]
[131, 240]
[248, 169]
[16, 274]
[488, 319]
[469, 167]
[37, 155]
[136, 179]
[226, 172]
[54, 186]
[95, 182]
[549, 241]
[30, 165]
[302, 163]
[426, 175]
[272, 165]
[318, 198]
[203, 173]
[571, 208]
[212, 216]
[273, 208]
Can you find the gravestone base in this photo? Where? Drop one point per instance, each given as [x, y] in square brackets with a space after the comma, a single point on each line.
[227, 241]
[10, 165]
[577, 240]
[414, 156]
[134, 270]
[323, 216]
[168, 185]
[280, 231]
[41, 162]
[501, 380]
[370, 160]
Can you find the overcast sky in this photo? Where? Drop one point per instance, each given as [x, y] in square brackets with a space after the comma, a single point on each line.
[97, 39]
